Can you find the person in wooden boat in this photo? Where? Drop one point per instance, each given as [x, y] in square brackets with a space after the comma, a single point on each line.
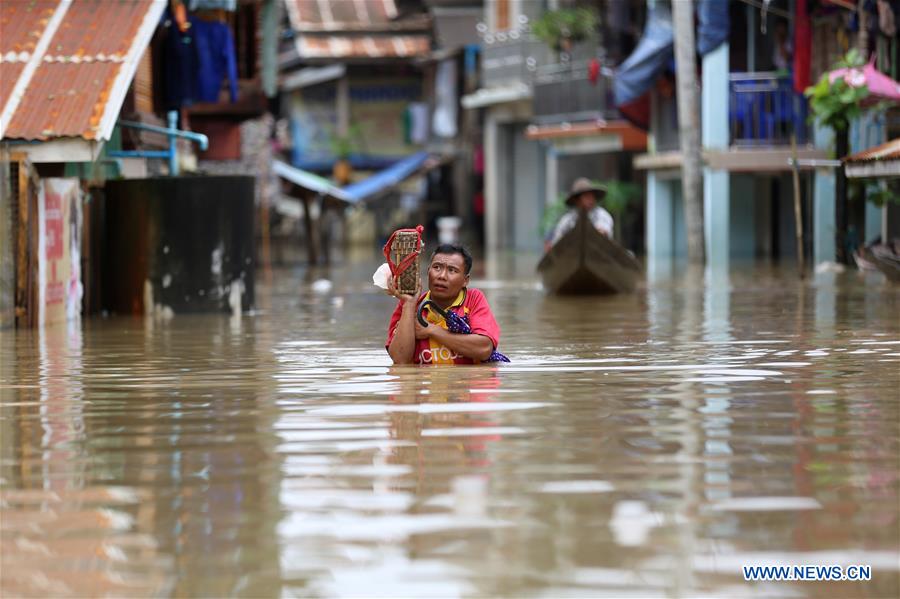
[419, 333]
[583, 197]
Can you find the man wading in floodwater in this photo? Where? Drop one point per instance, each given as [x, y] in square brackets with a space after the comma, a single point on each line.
[412, 342]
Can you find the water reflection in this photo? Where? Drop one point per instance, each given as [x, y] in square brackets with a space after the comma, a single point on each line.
[643, 445]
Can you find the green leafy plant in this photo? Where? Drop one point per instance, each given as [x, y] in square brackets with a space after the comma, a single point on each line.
[342, 146]
[552, 213]
[560, 28]
[835, 104]
[873, 192]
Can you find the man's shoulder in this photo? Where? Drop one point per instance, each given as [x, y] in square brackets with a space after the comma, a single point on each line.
[474, 295]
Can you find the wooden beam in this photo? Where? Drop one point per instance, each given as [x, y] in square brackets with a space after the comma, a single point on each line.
[633, 139]
[735, 160]
[875, 168]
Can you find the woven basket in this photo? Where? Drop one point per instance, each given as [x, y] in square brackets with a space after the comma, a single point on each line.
[403, 245]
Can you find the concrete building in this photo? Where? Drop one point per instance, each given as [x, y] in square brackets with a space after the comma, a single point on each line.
[547, 118]
[749, 111]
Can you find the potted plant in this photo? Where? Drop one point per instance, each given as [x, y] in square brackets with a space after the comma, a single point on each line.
[562, 28]
[342, 146]
[836, 104]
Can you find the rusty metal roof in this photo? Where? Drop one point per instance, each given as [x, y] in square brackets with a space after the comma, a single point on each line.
[21, 26]
[357, 29]
[73, 63]
[340, 46]
[885, 151]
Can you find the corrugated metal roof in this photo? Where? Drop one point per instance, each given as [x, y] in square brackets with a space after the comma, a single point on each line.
[341, 46]
[21, 26]
[85, 68]
[886, 151]
[357, 29]
[340, 16]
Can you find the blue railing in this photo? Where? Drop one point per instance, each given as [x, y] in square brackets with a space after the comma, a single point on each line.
[170, 154]
[764, 110]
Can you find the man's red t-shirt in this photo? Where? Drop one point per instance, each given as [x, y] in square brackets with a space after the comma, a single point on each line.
[470, 303]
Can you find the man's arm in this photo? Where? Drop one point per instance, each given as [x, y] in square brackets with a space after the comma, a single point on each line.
[565, 224]
[403, 345]
[476, 347]
[402, 348]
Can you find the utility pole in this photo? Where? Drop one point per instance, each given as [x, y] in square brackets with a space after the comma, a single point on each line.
[689, 126]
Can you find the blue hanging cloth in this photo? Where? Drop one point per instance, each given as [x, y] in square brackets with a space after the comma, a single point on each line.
[215, 59]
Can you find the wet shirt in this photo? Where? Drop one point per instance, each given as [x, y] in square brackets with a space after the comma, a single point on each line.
[470, 304]
[600, 218]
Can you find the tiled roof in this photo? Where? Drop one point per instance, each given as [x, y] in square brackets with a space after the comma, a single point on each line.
[886, 151]
[72, 61]
[357, 29]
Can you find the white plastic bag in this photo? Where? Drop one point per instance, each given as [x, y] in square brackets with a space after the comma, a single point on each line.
[382, 276]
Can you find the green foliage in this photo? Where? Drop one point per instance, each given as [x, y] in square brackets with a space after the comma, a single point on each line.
[552, 213]
[572, 24]
[618, 195]
[873, 192]
[344, 145]
[836, 104]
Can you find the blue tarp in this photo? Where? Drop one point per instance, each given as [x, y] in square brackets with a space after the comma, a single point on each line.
[655, 51]
[713, 25]
[307, 180]
[378, 183]
[386, 179]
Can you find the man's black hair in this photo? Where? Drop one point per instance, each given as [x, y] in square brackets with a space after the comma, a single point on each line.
[453, 248]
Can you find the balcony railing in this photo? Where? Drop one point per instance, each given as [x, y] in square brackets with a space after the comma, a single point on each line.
[764, 110]
[512, 57]
[565, 92]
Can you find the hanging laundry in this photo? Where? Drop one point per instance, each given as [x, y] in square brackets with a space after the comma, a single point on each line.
[418, 129]
[229, 5]
[180, 67]
[444, 121]
[802, 47]
[215, 59]
[593, 71]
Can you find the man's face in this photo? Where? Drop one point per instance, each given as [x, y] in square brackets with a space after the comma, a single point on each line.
[587, 201]
[447, 276]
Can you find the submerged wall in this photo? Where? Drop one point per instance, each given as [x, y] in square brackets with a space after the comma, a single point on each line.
[179, 244]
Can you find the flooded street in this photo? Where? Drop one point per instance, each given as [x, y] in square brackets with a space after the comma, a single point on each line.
[641, 445]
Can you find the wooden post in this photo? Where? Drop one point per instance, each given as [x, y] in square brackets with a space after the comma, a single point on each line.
[25, 306]
[798, 215]
[312, 241]
[689, 127]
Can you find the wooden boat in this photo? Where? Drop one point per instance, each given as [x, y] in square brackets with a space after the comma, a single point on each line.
[584, 261]
[887, 261]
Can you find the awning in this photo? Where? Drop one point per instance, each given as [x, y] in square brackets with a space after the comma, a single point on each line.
[389, 178]
[880, 161]
[309, 181]
[371, 187]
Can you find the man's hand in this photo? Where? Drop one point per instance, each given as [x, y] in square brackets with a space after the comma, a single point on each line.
[425, 332]
[404, 299]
